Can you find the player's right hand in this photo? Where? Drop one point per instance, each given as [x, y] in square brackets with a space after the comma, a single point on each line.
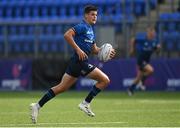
[113, 53]
[131, 53]
[82, 55]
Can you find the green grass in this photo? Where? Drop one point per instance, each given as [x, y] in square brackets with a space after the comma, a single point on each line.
[112, 109]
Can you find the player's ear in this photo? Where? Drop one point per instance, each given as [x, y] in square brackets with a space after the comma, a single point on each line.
[85, 15]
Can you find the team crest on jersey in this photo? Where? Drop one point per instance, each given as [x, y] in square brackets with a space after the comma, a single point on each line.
[146, 43]
[89, 32]
[90, 66]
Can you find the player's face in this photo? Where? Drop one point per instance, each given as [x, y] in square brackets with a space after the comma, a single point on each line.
[151, 34]
[91, 17]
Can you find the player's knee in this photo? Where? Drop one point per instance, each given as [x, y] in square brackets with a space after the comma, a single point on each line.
[106, 81]
[151, 71]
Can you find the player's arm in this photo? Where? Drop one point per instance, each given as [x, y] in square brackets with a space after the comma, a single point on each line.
[69, 34]
[95, 49]
[132, 47]
[158, 48]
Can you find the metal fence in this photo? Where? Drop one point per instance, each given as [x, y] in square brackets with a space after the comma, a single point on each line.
[124, 29]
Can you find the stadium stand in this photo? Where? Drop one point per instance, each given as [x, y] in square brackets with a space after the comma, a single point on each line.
[169, 23]
[21, 38]
[1, 40]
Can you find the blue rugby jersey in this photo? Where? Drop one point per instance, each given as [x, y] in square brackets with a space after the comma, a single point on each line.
[84, 37]
[145, 46]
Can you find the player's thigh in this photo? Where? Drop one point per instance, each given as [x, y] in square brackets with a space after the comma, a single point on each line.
[98, 75]
[148, 68]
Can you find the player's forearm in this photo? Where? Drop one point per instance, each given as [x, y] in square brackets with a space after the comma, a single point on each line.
[95, 49]
[132, 47]
[132, 50]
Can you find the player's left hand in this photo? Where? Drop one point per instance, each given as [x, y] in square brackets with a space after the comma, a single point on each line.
[113, 53]
[158, 48]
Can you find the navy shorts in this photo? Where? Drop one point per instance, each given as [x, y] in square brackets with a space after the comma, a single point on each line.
[79, 68]
[142, 61]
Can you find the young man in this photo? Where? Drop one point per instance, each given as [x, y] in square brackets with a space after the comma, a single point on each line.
[143, 49]
[81, 38]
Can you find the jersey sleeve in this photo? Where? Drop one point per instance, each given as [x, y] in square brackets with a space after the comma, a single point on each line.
[79, 29]
[157, 42]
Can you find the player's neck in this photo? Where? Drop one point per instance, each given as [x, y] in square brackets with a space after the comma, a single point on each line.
[86, 21]
[149, 38]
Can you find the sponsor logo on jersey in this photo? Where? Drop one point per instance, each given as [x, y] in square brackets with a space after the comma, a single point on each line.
[89, 41]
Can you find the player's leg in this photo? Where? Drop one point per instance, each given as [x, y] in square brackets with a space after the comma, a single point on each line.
[141, 62]
[135, 82]
[144, 69]
[102, 82]
[147, 71]
[66, 82]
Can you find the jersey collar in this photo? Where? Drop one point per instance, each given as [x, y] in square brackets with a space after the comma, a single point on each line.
[84, 21]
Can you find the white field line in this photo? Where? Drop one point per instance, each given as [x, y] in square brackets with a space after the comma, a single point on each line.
[98, 111]
[147, 101]
[75, 123]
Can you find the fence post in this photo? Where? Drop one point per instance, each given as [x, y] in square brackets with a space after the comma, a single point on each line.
[6, 43]
[36, 45]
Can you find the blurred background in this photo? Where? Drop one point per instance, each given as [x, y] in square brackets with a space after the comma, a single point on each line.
[34, 54]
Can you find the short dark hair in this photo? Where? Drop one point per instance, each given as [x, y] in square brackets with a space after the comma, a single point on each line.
[89, 8]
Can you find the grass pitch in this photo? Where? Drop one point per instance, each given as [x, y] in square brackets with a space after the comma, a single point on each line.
[112, 109]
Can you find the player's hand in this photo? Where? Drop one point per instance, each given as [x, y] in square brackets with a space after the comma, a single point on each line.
[82, 55]
[158, 48]
[113, 53]
[131, 53]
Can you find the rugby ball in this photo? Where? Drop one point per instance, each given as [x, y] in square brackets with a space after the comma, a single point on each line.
[104, 53]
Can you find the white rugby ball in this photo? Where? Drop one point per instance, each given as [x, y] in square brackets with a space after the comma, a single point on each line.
[104, 53]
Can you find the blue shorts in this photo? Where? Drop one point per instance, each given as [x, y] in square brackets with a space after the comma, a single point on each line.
[142, 61]
[79, 68]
